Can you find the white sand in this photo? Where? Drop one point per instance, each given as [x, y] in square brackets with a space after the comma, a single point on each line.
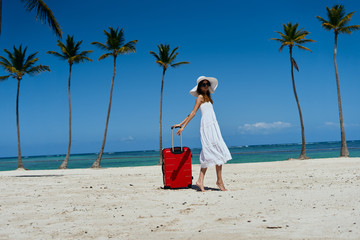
[311, 199]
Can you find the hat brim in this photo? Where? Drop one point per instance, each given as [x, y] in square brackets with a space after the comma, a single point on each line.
[213, 81]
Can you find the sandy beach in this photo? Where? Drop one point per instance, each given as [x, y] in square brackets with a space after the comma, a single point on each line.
[311, 199]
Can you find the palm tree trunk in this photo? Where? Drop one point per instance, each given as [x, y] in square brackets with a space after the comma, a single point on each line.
[96, 164]
[160, 121]
[344, 152]
[303, 146]
[20, 163]
[65, 162]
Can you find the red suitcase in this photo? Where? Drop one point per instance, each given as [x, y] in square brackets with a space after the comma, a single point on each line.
[176, 165]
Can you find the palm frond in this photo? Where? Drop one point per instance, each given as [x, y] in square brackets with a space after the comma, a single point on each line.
[281, 34]
[105, 56]
[82, 57]
[349, 29]
[155, 55]
[165, 57]
[322, 20]
[77, 45]
[18, 58]
[162, 64]
[31, 57]
[172, 52]
[85, 53]
[101, 46]
[294, 64]
[178, 64]
[19, 65]
[335, 14]
[128, 47]
[277, 39]
[345, 20]
[304, 48]
[172, 57]
[56, 54]
[305, 41]
[70, 51]
[325, 23]
[115, 39]
[38, 69]
[281, 47]
[114, 44]
[164, 52]
[28, 64]
[43, 13]
[328, 26]
[10, 55]
[4, 62]
[301, 33]
[8, 67]
[3, 78]
[338, 20]
[292, 36]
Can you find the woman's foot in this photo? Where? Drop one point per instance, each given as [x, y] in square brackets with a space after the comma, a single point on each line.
[201, 186]
[221, 186]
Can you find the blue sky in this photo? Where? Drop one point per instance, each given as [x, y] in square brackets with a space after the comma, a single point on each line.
[230, 40]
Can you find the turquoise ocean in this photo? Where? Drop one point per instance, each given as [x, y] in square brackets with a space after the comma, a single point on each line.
[240, 154]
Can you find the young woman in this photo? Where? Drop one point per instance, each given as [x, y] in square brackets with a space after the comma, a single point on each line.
[214, 150]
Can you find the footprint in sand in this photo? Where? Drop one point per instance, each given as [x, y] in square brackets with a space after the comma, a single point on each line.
[186, 210]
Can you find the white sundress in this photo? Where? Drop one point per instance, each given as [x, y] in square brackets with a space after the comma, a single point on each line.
[214, 150]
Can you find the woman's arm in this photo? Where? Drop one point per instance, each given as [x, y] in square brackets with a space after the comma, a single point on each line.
[180, 124]
[183, 124]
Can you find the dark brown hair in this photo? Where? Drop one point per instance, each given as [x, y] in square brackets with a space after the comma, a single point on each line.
[207, 95]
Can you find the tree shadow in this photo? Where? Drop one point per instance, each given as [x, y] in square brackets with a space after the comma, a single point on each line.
[49, 175]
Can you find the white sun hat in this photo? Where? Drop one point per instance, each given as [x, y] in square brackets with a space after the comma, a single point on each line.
[212, 81]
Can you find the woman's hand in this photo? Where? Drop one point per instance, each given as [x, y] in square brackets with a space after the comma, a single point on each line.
[179, 131]
[176, 126]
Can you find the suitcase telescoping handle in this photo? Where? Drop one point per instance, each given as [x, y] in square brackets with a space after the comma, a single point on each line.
[172, 139]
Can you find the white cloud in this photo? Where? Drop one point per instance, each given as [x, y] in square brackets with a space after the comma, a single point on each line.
[337, 124]
[262, 127]
[127, 139]
[330, 124]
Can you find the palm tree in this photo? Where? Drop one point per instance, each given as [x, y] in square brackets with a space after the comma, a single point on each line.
[17, 65]
[165, 58]
[338, 22]
[70, 51]
[115, 45]
[294, 37]
[43, 12]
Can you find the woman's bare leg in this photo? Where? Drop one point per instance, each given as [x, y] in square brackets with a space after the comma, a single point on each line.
[200, 181]
[220, 181]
